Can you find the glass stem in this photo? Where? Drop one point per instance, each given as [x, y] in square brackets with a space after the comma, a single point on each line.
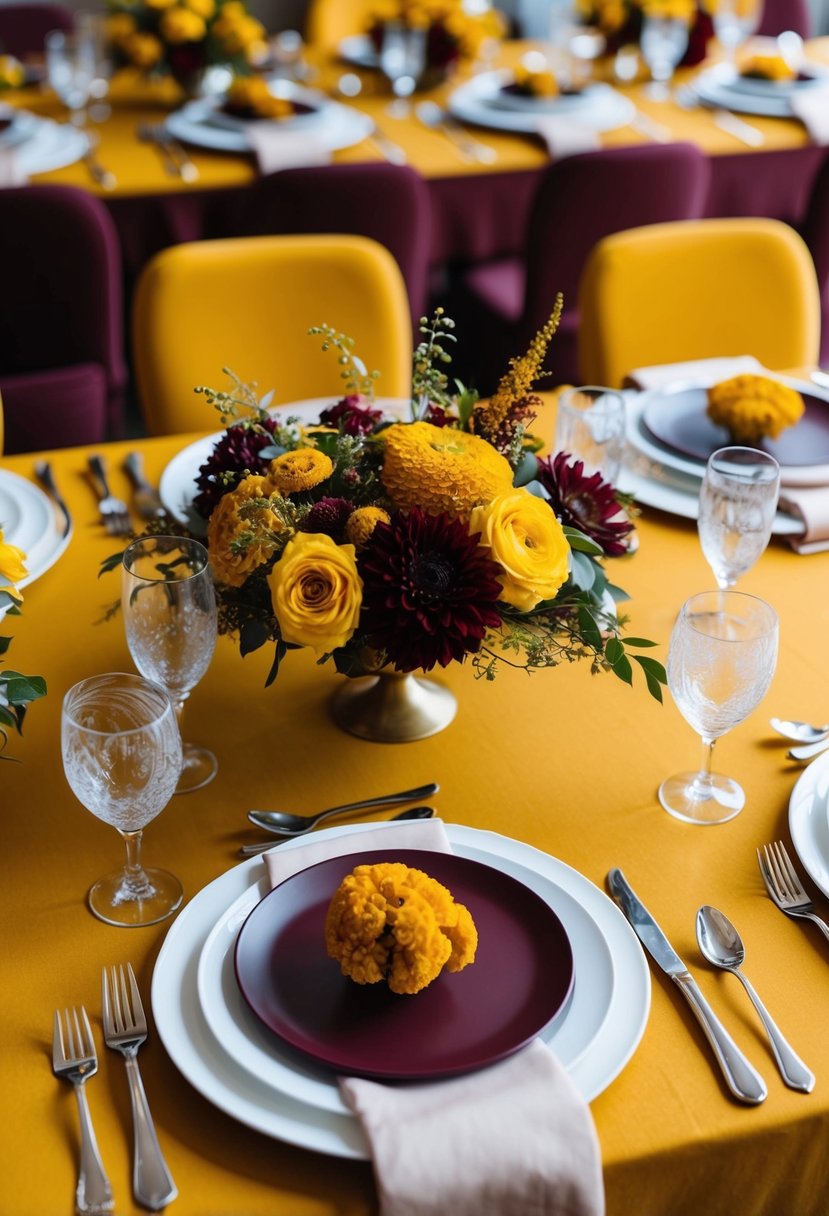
[704, 774]
[136, 884]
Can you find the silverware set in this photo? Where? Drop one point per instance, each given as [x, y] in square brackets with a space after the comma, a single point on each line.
[74, 1057]
[176, 160]
[721, 945]
[114, 512]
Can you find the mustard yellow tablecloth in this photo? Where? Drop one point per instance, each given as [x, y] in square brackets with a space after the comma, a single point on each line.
[565, 761]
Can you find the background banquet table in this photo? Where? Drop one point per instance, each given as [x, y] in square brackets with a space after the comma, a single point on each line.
[562, 760]
[479, 211]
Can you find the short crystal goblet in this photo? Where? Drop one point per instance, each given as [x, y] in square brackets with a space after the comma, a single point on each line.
[122, 758]
[721, 659]
[590, 425]
[734, 22]
[169, 608]
[737, 505]
[663, 42]
[402, 60]
[71, 71]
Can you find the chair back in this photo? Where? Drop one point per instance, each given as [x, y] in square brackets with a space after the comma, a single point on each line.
[780, 15]
[62, 308]
[717, 287]
[388, 203]
[815, 232]
[246, 304]
[23, 27]
[327, 22]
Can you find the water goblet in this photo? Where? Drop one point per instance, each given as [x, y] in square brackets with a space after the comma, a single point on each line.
[70, 69]
[721, 659]
[590, 425]
[402, 60]
[92, 27]
[734, 22]
[737, 505]
[663, 42]
[169, 608]
[122, 758]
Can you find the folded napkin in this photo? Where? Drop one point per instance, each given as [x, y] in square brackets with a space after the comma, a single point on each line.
[566, 137]
[275, 148]
[812, 506]
[700, 371]
[514, 1139]
[811, 106]
[10, 172]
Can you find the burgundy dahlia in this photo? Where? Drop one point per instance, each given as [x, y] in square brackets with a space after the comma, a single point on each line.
[586, 503]
[237, 450]
[330, 516]
[429, 592]
[352, 416]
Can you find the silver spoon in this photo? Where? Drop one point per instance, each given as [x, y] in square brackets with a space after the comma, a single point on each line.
[414, 812]
[722, 945]
[431, 115]
[800, 732]
[808, 751]
[285, 824]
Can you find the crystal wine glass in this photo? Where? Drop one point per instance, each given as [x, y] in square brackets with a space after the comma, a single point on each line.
[734, 22]
[122, 758]
[721, 659]
[169, 610]
[402, 60]
[590, 425]
[71, 71]
[92, 27]
[663, 42]
[737, 505]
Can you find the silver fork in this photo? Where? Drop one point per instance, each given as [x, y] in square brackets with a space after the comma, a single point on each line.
[74, 1057]
[784, 886]
[114, 514]
[44, 474]
[125, 1029]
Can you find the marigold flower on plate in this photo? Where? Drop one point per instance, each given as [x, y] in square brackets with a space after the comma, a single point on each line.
[303, 469]
[231, 562]
[391, 922]
[316, 592]
[752, 408]
[441, 469]
[521, 533]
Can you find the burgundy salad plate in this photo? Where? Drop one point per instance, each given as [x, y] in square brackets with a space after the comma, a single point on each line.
[522, 977]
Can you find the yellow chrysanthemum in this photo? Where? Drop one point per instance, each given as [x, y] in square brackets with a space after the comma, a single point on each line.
[182, 25]
[303, 469]
[204, 8]
[12, 565]
[536, 83]
[362, 522]
[228, 526]
[441, 469]
[521, 533]
[250, 94]
[142, 50]
[12, 72]
[752, 408]
[767, 67]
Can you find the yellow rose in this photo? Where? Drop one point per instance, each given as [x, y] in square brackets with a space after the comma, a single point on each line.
[316, 592]
[12, 564]
[521, 533]
[182, 25]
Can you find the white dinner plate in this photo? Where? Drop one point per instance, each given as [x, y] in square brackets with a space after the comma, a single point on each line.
[49, 145]
[809, 820]
[177, 486]
[717, 86]
[29, 521]
[810, 75]
[479, 101]
[21, 126]
[262, 1054]
[335, 126]
[189, 1042]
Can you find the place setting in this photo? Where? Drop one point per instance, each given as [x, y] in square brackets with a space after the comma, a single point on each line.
[29, 521]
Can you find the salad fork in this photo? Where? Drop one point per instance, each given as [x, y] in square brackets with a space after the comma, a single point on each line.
[74, 1057]
[125, 1029]
[114, 513]
[784, 887]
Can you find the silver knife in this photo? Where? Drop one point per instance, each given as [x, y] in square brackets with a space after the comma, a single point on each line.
[741, 1077]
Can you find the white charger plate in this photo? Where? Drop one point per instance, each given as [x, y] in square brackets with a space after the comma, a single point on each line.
[809, 820]
[262, 1054]
[479, 101]
[717, 86]
[814, 75]
[189, 1042]
[28, 521]
[335, 126]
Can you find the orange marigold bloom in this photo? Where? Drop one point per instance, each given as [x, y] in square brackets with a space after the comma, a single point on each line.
[228, 524]
[303, 469]
[752, 407]
[441, 469]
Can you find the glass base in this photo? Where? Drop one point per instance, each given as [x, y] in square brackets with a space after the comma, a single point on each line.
[701, 798]
[118, 900]
[199, 768]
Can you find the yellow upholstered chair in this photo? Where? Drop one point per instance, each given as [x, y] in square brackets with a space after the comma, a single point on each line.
[247, 304]
[666, 293]
[327, 22]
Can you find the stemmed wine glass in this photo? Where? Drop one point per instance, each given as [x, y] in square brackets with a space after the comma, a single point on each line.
[71, 71]
[663, 42]
[721, 659]
[402, 60]
[169, 608]
[734, 22]
[737, 505]
[122, 758]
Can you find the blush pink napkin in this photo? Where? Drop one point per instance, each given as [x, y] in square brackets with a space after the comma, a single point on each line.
[515, 1139]
[275, 148]
[566, 137]
[811, 106]
[812, 506]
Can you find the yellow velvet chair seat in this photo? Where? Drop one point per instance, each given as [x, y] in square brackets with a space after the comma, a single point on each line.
[247, 304]
[695, 289]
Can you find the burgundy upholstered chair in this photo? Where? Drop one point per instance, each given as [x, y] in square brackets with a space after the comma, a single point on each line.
[780, 15]
[62, 370]
[389, 203]
[498, 306]
[815, 232]
[23, 27]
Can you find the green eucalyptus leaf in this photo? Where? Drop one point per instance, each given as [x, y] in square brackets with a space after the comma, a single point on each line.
[580, 543]
[525, 474]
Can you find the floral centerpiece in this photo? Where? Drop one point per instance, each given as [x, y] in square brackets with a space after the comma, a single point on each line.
[453, 31]
[181, 38]
[621, 21]
[403, 545]
[16, 690]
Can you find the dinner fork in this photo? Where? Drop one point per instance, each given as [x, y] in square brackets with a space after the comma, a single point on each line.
[146, 499]
[44, 474]
[74, 1057]
[125, 1029]
[114, 513]
[784, 886]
